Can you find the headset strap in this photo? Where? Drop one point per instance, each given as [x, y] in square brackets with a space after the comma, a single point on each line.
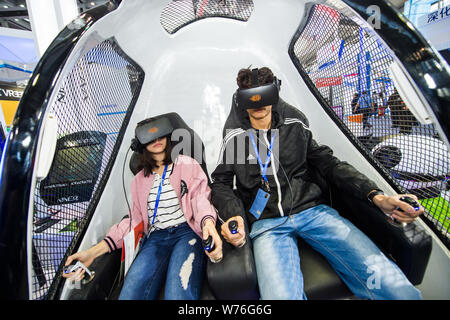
[255, 81]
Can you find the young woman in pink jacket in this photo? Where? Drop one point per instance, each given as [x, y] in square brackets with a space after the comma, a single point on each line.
[172, 199]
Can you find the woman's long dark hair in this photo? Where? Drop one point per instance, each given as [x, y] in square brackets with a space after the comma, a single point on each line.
[148, 163]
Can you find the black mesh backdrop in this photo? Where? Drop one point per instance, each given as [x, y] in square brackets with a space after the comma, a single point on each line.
[350, 69]
[92, 107]
[179, 13]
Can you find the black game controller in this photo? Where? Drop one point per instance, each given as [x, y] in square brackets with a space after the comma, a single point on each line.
[208, 244]
[233, 226]
[413, 203]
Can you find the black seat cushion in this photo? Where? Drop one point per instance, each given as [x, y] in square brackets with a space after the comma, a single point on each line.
[234, 278]
[320, 280]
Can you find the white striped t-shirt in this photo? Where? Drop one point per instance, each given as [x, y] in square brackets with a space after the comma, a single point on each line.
[169, 212]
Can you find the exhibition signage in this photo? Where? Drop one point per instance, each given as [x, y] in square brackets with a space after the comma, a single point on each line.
[9, 100]
[327, 82]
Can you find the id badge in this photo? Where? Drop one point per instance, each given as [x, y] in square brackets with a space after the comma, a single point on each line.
[259, 203]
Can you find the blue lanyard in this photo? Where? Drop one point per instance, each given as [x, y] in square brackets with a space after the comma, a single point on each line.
[266, 164]
[159, 193]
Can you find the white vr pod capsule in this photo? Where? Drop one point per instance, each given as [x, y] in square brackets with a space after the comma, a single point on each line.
[62, 187]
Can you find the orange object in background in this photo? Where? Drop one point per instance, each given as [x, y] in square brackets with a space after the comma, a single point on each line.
[9, 108]
[355, 118]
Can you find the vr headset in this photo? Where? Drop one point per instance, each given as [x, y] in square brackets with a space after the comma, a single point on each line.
[258, 96]
[149, 130]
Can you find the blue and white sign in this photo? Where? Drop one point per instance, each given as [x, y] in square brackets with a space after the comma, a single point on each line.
[438, 15]
[434, 26]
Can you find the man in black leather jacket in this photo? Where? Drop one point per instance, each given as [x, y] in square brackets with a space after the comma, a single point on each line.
[294, 203]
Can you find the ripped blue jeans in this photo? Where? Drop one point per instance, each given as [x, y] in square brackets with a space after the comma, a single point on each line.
[173, 256]
[367, 272]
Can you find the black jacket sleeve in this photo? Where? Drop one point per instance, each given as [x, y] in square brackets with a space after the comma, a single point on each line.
[223, 197]
[340, 173]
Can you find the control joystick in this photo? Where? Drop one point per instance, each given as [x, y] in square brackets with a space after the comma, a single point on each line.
[78, 265]
[233, 226]
[413, 203]
[208, 244]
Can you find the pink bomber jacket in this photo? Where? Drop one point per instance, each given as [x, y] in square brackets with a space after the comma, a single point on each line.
[189, 182]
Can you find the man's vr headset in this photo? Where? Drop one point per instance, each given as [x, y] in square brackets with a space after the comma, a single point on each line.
[149, 130]
[258, 96]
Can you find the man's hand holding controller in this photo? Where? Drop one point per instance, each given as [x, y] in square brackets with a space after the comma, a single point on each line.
[402, 208]
[233, 231]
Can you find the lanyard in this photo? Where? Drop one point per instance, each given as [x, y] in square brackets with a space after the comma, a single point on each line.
[266, 164]
[159, 193]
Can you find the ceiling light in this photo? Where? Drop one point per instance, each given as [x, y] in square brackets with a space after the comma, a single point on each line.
[22, 5]
[92, 3]
[6, 7]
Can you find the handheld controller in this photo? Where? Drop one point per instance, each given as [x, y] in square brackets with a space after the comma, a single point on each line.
[233, 226]
[208, 244]
[78, 265]
[413, 203]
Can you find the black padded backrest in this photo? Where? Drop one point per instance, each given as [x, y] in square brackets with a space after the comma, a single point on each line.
[178, 123]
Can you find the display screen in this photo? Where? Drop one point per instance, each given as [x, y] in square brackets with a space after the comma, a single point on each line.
[76, 164]
[75, 168]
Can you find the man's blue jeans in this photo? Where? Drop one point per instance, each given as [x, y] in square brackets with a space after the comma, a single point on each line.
[367, 272]
[174, 256]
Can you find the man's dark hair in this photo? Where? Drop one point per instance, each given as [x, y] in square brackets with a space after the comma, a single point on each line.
[148, 163]
[244, 77]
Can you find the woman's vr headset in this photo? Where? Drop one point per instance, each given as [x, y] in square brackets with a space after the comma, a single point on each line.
[258, 96]
[149, 130]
